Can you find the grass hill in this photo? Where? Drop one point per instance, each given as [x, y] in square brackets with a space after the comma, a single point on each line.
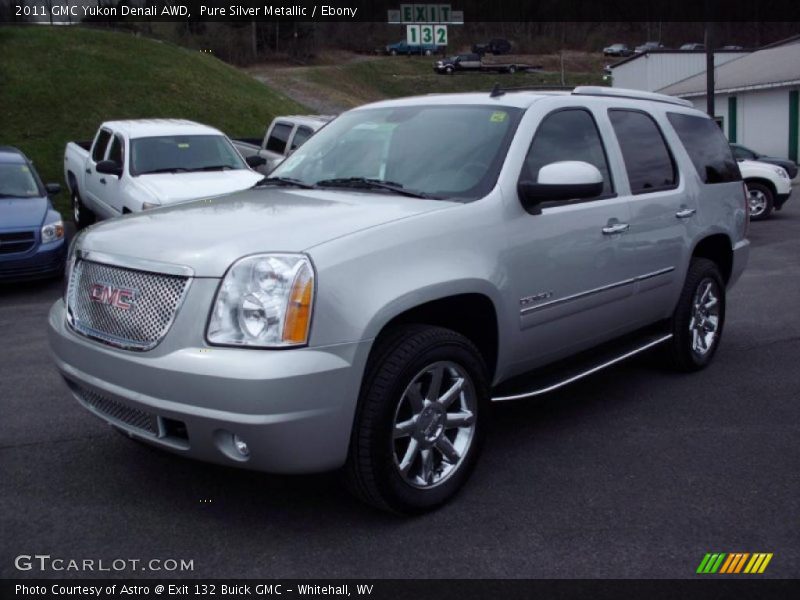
[59, 83]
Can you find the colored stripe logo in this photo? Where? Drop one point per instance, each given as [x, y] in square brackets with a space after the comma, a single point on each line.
[734, 563]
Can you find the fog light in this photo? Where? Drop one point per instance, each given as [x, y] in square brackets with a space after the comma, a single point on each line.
[240, 445]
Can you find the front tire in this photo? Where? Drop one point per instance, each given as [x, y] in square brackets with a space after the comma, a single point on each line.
[760, 200]
[82, 216]
[420, 421]
[699, 317]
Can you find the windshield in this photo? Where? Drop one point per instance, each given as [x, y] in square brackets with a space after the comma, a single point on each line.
[176, 153]
[440, 151]
[18, 181]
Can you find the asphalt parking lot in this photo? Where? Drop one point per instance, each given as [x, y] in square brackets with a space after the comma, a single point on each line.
[635, 472]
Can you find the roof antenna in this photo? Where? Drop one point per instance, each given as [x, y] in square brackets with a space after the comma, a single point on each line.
[496, 91]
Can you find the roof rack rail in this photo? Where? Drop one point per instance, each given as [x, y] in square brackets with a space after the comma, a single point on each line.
[497, 90]
[596, 90]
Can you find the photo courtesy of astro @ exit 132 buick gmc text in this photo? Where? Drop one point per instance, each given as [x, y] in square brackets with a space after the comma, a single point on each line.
[378, 299]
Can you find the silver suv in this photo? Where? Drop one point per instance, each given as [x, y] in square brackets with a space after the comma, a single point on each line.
[412, 262]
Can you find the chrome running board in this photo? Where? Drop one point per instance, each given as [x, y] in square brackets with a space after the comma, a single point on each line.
[537, 383]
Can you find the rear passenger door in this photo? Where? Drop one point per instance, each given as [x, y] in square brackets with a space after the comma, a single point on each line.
[662, 205]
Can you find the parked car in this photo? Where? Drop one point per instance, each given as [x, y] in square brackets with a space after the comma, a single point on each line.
[32, 237]
[693, 47]
[648, 47]
[141, 164]
[494, 46]
[474, 62]
[732, 48]
[282, 137]
[744, 153]
[342, 314]
[617, 50]
[768, 187]
[403, 47]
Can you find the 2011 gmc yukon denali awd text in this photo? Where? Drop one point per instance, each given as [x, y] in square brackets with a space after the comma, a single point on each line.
[415, 260]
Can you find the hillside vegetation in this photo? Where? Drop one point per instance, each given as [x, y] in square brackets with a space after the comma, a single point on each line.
[59, 83]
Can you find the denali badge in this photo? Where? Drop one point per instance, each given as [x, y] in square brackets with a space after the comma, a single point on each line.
[119, 297]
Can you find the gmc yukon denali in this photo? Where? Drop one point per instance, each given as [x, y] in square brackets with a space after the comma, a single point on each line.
[416, 260]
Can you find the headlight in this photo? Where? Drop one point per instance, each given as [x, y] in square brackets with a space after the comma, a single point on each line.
[264, 301]
[71, 254]
[781, 172]
[52, 232]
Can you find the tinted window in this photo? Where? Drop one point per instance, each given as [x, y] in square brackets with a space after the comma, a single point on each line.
[99, 150]
[567, 135]
[278, 137]
[740, 152]
[300, 136]
[647, 159]
[707, 147]
[116, 153]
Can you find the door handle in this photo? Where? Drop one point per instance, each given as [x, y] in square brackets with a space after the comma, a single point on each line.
[615, 228]
[685, 213]
[103, 180]
[89, 171]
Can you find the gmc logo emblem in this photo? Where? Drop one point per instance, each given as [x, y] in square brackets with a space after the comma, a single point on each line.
[118, 297]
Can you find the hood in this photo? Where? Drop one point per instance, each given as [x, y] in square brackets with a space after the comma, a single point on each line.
[209, 235]
[754, 167]
[18, 213]
[169, 188]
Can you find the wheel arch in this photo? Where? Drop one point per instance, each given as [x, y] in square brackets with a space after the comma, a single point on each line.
[765, 182]
[473, 314]
[718, 248]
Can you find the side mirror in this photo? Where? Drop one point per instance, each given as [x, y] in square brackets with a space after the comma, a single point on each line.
[564, 180]
[109, 167]
[52, 189]
[255, 160]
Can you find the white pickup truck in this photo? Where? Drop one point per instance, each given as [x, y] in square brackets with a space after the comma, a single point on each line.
[282, 137]
[140, 164]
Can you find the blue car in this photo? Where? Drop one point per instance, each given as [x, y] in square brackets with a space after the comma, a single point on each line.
[32, 239]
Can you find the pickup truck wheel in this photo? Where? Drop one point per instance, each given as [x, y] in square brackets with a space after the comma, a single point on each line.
[760, 200]
[392, 52]
[420, 421]
[699, 317]
[448, 70]
[82, 216]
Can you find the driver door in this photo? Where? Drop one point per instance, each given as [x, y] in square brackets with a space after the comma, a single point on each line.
[569, 281]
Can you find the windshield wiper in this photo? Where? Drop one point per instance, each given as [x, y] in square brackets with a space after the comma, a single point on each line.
[364, 182]
[284, 181]
[165, 170]
[212, 168]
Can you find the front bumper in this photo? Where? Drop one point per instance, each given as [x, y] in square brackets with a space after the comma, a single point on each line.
[45, 260]
[780, 199]
[293, 408]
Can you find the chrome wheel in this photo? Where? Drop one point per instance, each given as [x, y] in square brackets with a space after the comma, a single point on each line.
[705, 321]
[76, 208]
[758, 202]
[434, 424]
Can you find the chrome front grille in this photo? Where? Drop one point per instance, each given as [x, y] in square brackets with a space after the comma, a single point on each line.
[123, 307]
[116, 411]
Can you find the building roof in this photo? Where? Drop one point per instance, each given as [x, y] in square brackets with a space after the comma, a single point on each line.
[670, 51]
[776, 66]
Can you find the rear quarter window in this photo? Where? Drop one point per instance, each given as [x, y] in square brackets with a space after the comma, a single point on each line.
[707, 147]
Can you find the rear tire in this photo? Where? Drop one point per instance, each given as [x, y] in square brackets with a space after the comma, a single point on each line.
[699, 318]
[82, 216]
[512, 69]
[761, 201]
[420, 420]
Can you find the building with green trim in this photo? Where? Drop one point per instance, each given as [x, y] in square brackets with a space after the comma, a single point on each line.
[757, 98]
